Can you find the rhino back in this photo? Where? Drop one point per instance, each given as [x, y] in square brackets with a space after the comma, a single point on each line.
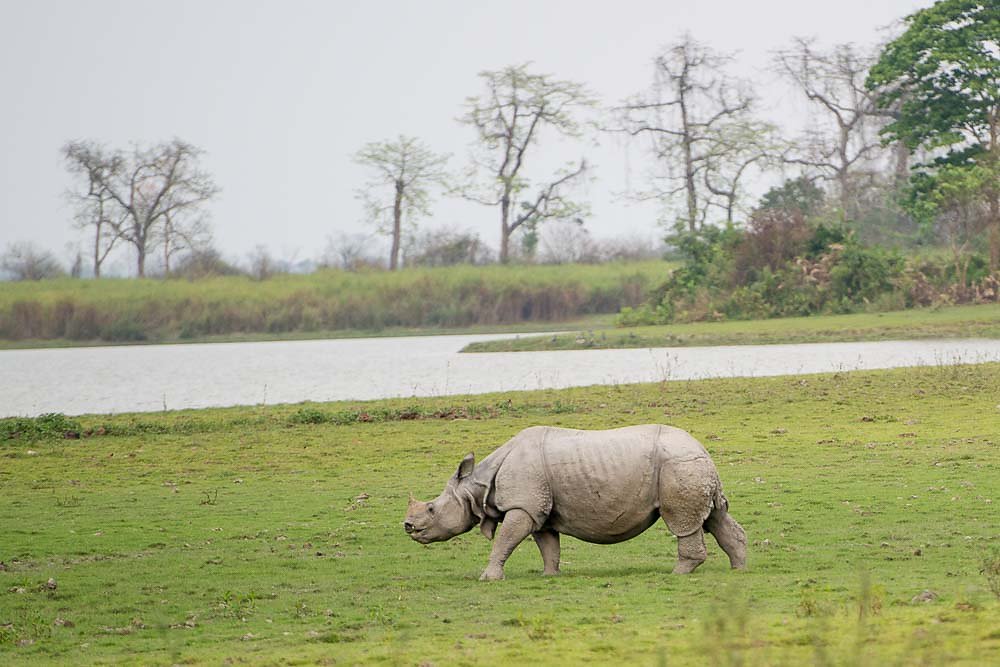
[603, 483]
[604, 486]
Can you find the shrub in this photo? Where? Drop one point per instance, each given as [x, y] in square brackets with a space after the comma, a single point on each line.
[781, 266]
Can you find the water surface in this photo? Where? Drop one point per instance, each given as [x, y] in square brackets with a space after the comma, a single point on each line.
[169, 377]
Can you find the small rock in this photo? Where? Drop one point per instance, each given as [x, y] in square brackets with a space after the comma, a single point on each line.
[884, 544]
[3, 566]
[63, 623]
[25, 642]
[926, 596]
[362, 496]
[918, 552]
[50, 585]
[16, 589]
[248, 636]
[237, 481]
[31, 452]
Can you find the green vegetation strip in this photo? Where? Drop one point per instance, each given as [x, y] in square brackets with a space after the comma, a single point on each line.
[947, 322]
[272, 534]
[477, 298]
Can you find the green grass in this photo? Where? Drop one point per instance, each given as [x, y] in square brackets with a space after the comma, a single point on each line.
[946, 322]
[272, 534]
[65, 311]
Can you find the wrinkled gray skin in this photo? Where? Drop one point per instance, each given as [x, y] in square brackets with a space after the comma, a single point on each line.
[598, 486]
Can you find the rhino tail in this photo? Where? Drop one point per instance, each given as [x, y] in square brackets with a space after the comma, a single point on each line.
[720, 503]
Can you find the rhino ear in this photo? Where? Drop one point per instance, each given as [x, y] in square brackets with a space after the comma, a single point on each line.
[466, 467]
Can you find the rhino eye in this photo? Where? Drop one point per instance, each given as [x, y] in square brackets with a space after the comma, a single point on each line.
[430, 509]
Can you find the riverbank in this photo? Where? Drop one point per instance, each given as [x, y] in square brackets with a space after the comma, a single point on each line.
[589, 322]
[267, 533]
[329, 302]
[981, 321]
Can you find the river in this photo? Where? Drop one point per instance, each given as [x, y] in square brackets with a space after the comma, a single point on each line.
[170, 377]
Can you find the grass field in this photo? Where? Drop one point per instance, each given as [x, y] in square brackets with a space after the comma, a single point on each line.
[272, 534]
[946, 322]
[322, 304]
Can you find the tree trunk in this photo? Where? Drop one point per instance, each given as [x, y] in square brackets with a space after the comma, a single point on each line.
[166, 251]
[97, 253]
[397, 226]
[994, 193]
[902, 165]
[689, 185]
[504, 229]
[994, 231]
[140, 261]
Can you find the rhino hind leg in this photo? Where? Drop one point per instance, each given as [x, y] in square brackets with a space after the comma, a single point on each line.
[548, 545]
[730, 536]
[691, 552]
[516, 526]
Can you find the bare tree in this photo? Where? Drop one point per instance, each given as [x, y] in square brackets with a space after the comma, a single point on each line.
[509, 119]
[404, 169]
[446, 247]
[95, 207]
[25, 261]
[844, 139]
[734, 151]
[144, 185]
[565, 242]
[349, 252]
[262, 264]
[699, 123]
[180, 234]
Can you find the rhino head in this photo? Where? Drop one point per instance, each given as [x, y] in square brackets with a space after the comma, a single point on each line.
[457, 510]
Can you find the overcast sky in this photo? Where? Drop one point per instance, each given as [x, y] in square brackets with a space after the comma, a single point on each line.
[281, 94]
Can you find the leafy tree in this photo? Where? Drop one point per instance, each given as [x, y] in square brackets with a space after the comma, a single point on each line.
[405, 169]
[943, 73]
[795, 194]
[509, 118]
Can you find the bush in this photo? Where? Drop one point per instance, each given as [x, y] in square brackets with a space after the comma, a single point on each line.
[782, 266]
[50, 425]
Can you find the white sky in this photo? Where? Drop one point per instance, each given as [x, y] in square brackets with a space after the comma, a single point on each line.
[281, 94]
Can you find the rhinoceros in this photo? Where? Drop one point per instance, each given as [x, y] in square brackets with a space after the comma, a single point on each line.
[598, 486]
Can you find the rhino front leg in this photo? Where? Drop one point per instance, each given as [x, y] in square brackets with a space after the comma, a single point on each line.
[691, 552]
[516, 526]
[548, 544]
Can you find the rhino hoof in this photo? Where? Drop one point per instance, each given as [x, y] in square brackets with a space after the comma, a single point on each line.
[491, 574]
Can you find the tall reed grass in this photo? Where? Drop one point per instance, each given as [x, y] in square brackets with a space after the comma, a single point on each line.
[119, 310]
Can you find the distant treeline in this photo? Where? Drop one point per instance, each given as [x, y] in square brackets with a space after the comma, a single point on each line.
[136, 310]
